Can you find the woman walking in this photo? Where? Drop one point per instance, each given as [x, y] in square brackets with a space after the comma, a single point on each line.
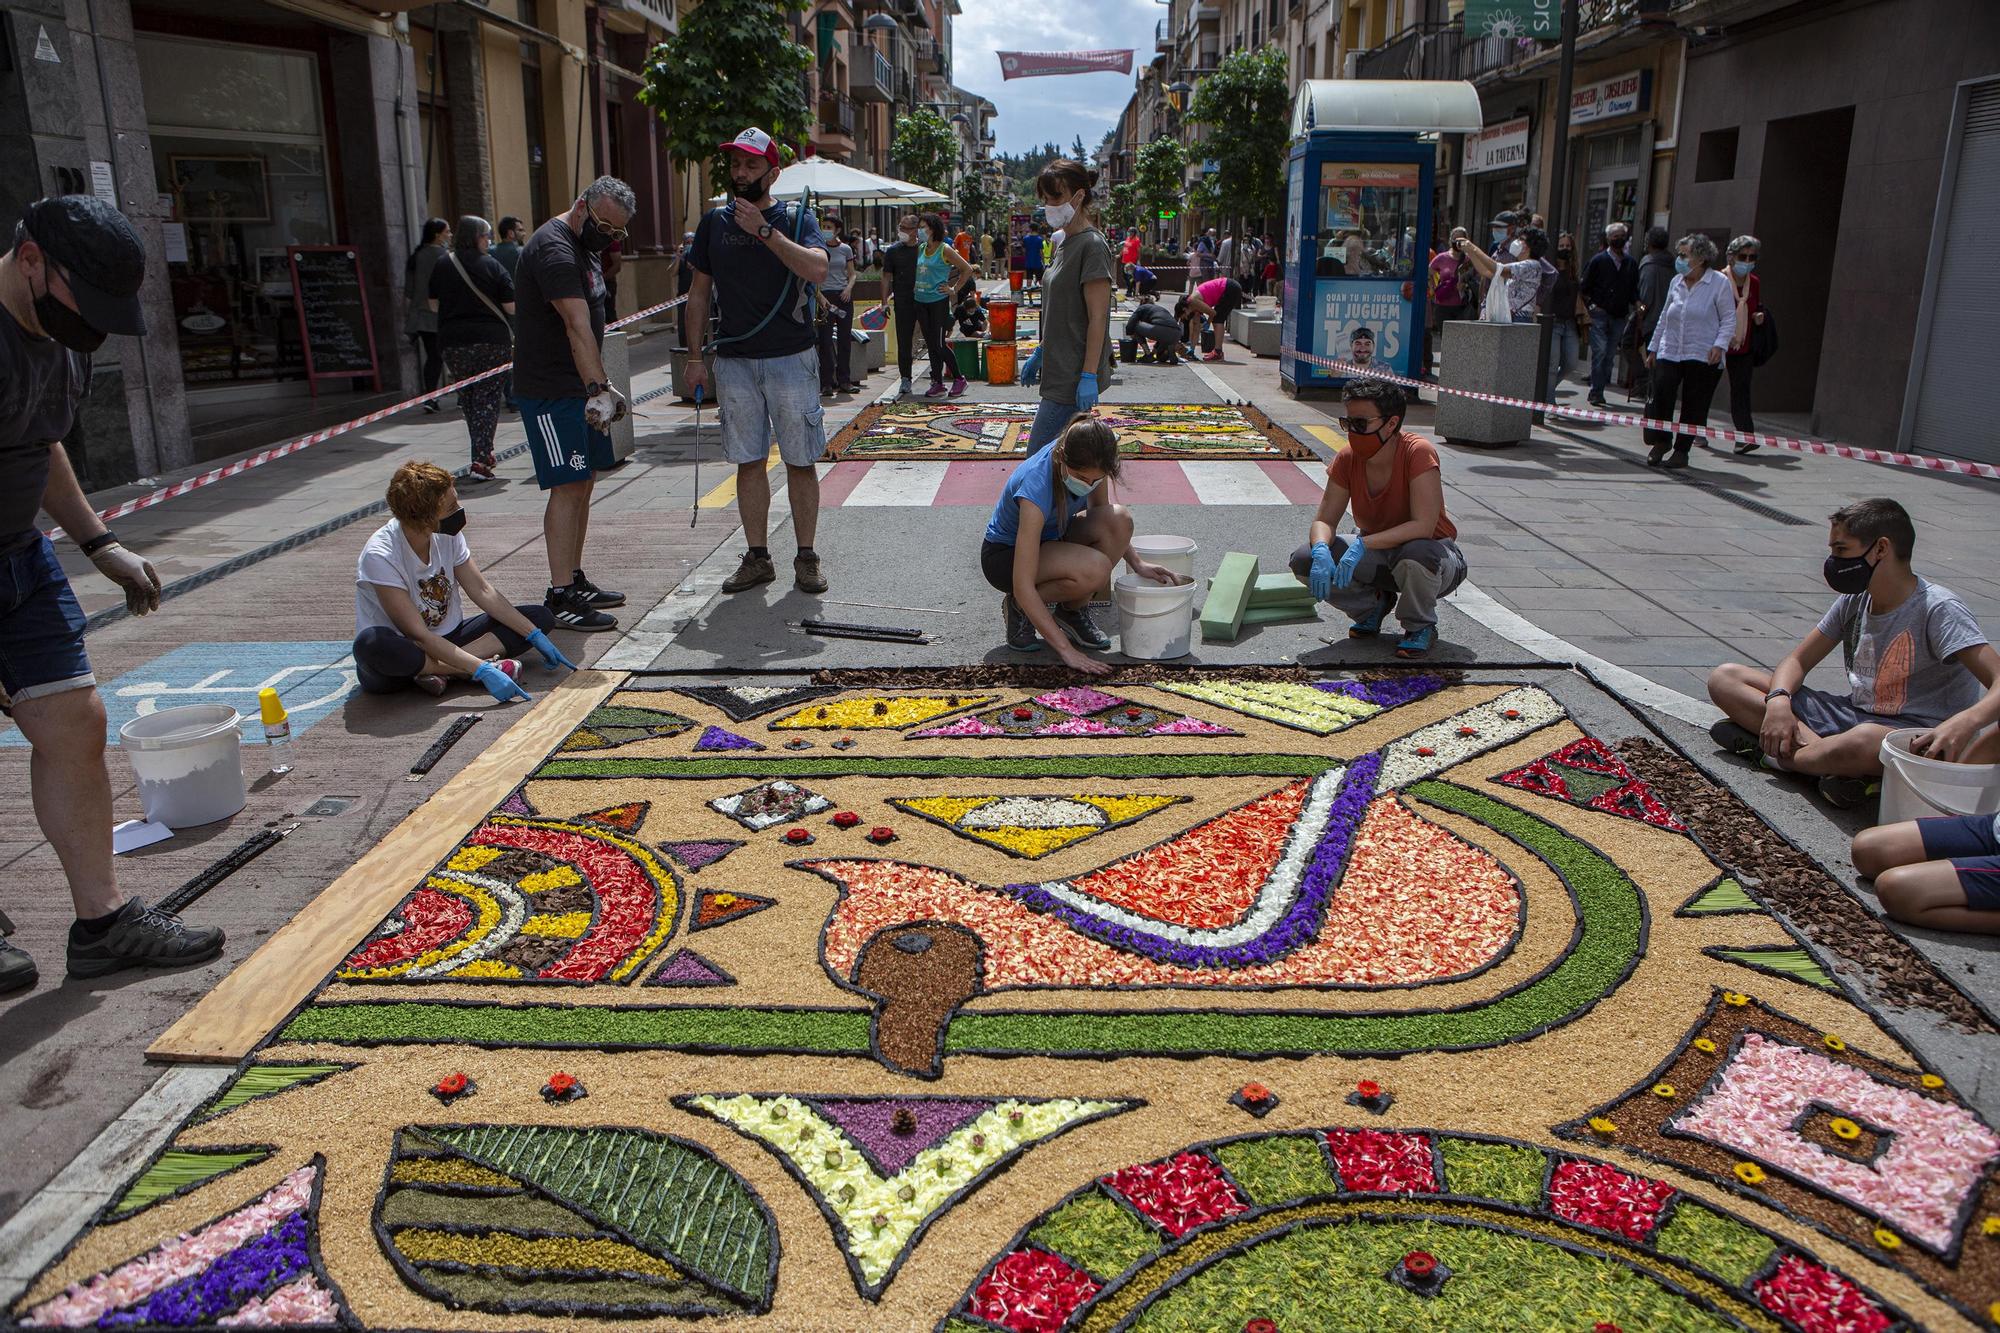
[1685, 356]
[836, 330]
[940, 271]
[419, 317]
[1564, 345]
[1743, 252]
[472, 297]
[1075, 356]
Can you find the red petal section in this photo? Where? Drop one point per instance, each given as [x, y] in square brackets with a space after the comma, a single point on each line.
[1592, 756]
[629, 900]
[1605, 1197]
[1373, 1160]
[625, 818]
[1635, 800]
[1030, 1291]
[431, 920]
[1539, 778]
[1180, 1193]
[1817, 1300]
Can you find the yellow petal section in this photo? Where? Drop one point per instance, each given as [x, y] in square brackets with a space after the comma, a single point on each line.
[1121, 809]
[949, 809]
[447, 1171]
[880, 712]
[488, 967]
[1032, 842]
[507, 1250]
[1028, 841]
[469, 859]
[561, 877]
[557, 925]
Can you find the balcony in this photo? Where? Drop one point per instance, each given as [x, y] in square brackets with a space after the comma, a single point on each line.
[1443, 52]
[1162, 41]
[929, 55]
[834, 136]
[872, 78]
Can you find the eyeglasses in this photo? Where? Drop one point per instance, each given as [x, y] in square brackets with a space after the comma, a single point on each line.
[1750, 256]
[615, 233]
[1359, 425]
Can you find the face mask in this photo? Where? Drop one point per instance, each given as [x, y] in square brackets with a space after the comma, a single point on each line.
[1499, 237]
[1617, 242]
[594, 238]
[754, 190]
[1680, 264]
[65, 325]
[1848, 574]
[1078, 487]
[1743, 268]
[1059, 215]
[453, 523]
[1518, 248]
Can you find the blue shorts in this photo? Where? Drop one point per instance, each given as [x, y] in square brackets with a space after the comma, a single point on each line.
[1972, 845]
[41, 626]
[564, 447]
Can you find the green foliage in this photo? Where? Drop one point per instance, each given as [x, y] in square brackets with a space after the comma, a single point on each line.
[1493, 1171]
[1708, 1239]
[1104, 1237]
[925, 149]
[1278, 1169]
[1160, 177]
[1246, 105]
[179, 1171]
[978, 200]
[732, 64]
[1123, 208]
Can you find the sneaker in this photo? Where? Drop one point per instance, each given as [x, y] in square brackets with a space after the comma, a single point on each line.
[754, 570]
[484, 469]
[958, 386]
[936, 390]
[433, 685]
[1212, 356]
[1595, 400]
[1848, 793]
[1082, 630]
[143, 936]
[434, 406]
[1739, 741]
[573, 611]
[904, 388]
[1368, 626]
[601, 598]
[806, 575]
[1021, 636]
[510, 667]
[1417, 643]
[17, 970]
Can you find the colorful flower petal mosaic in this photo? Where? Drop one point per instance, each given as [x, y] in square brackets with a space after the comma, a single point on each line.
[1208, 982]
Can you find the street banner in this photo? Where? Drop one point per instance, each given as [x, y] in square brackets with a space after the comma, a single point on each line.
[1039, 64]
[1514, 18]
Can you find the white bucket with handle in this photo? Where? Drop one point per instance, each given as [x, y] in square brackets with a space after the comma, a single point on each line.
[1174, 553]
[189, 762]
[1155, 620]
[1914, 787]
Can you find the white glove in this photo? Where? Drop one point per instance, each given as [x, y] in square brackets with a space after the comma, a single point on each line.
[606, 409]
[134, 574]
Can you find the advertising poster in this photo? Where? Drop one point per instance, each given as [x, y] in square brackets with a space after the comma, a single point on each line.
[1367, 323]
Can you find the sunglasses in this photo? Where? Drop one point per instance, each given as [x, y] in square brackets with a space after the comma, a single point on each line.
[1360, 425]
[1751, 258]
[615, 233]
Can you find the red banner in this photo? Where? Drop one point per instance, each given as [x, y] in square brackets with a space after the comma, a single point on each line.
[1037, 64]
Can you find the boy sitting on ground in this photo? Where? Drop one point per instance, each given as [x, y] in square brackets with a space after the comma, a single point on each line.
[1914, 654]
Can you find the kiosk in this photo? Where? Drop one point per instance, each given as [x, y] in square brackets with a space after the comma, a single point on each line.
[1358, 221]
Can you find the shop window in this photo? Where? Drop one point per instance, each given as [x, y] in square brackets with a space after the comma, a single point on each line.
[1367, 220]
[1715, 156]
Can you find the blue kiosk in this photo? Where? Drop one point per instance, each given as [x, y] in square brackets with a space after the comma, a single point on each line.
[1358, 221]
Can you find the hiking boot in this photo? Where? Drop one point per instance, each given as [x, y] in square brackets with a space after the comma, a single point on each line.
[1417, 642]
[754, 570]
[1739, 741]
[806, 575]
[573, 610]
[1848, 793]
[1075, 621]
[1368, 626]
[142, 936]
[17, 970]
[601, 598]
[1021, 636]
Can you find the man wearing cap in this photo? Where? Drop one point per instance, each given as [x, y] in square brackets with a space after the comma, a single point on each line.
[760, 260]
[70, 279]
[566, 400]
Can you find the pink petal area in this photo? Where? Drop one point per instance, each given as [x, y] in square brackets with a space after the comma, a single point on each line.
[964, 726]
[1078, 699]
[297, 1303]
[1417, 905]
[1938, 1156]
[1079, 726]
[1190, 726]
[183, 1257]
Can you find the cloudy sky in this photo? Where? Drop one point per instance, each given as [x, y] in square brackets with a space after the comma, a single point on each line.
[1035, 111]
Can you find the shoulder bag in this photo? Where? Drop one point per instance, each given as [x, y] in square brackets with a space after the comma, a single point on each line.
[484, 299]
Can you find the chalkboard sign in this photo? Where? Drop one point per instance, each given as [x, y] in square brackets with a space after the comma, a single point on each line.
[333, 313]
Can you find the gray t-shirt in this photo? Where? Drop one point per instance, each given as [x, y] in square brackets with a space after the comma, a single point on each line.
[1066, 319]
[839, 258]
[1899, 662]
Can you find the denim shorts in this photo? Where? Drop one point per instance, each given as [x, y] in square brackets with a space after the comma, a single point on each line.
[41, 626]
[1972, 845]
[1050, 418]
[758, 397]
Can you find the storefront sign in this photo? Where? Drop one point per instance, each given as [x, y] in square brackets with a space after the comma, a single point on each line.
[1620, 96]
[1513, 18]
[1502, 147]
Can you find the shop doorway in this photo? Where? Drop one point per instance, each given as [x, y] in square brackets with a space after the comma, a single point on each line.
[1798, 213]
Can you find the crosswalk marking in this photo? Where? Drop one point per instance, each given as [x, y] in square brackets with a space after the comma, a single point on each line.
[725, 495]
[1232, 484]
[908, 482]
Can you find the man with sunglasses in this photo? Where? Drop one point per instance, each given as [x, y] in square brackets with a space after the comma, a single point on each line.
[565, 398]
[1403, 554]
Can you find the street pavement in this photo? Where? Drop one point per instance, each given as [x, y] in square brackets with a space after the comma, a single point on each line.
[1576, 550]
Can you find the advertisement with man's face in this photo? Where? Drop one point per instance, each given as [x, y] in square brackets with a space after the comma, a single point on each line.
[1364, 260]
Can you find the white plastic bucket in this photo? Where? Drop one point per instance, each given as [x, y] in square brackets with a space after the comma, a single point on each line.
[189, 763]
[1914, 787]
[1175, 553]
[1155, 620]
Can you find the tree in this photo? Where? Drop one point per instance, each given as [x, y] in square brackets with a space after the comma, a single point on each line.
[1124, 206]
[1160, 178]
[733, 63]
[976, 199]
[925, 148]
[1246, 105]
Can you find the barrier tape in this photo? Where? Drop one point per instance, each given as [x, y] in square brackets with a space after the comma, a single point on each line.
[1924, 462]
[243, 465]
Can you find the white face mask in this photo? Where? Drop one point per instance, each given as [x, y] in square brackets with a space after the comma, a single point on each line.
[1518, 248]
[1059, 215]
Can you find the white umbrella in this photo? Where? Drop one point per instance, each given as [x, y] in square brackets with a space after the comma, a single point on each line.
[838, 182]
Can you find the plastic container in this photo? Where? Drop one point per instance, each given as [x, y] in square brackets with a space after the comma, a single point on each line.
[277, 729]
[1175, 553]
[1000, 363]
[189, 763]
[1015, 279]
[1914, 787]
[1004, 316]
[1128, 350]
[966, 352]
[1155, 620]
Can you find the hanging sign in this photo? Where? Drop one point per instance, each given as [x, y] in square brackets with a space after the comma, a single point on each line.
[1513, 18]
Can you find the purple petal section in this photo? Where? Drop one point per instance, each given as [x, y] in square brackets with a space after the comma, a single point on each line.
[720, 738]
[695, 855]
[256, 1268]
[871, 1124]
[1389, 693]
[688, 968]
[517, 804]
[1299, 925]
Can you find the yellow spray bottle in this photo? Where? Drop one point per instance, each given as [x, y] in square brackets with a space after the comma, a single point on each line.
[277, 729]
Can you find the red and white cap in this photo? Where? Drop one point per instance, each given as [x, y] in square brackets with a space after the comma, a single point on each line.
[756, 143]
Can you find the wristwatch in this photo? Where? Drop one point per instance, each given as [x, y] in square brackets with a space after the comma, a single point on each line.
[764, 232]
[98, 543]
[1780, 693]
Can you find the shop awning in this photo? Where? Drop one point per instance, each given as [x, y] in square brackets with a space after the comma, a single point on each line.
[1410, 106]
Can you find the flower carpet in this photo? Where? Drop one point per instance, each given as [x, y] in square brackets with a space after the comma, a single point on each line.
[1266, 1005]
[952, 429]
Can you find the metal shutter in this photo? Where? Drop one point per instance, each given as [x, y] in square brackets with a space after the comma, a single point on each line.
[1954, 408]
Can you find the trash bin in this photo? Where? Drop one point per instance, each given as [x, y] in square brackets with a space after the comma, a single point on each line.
[1015, 279]
[1000, 363]
[1003, 314]
[970, 363]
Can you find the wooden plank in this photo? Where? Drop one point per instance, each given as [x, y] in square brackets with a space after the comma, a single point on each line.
[251, 1001]
[1228, 597]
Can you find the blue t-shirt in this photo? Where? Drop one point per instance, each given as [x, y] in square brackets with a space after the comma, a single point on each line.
[1031, 250]
[1034, 480]
[750, 279]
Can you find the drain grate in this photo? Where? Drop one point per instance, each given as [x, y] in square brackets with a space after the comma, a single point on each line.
[329, 805]
[1716, 489]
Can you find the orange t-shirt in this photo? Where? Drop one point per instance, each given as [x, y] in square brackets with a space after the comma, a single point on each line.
[1381, 510]
[963, 244]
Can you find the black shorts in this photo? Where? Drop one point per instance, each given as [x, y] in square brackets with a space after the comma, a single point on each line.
[996, 562]
[1232, 297]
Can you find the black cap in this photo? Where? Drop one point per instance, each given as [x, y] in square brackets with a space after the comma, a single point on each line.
[99, 255]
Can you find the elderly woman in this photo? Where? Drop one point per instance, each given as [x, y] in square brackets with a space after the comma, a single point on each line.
[1523, 270]
[1696, 326]
[472, 297]
[1743, 252]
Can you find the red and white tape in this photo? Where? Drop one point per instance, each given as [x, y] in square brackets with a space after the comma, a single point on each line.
[1961, 466]
[243, 465]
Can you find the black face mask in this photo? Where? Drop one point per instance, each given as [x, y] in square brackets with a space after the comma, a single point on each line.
[595, 239]
[65, 325]
[1848, 574]
[453, 523]
[754, 190]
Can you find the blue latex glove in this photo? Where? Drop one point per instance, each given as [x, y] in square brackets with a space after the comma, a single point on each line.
[1086, 389]
[552, 656]
[1031, 369]
[1320, 578]
[499, 684]
[1343, 569]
